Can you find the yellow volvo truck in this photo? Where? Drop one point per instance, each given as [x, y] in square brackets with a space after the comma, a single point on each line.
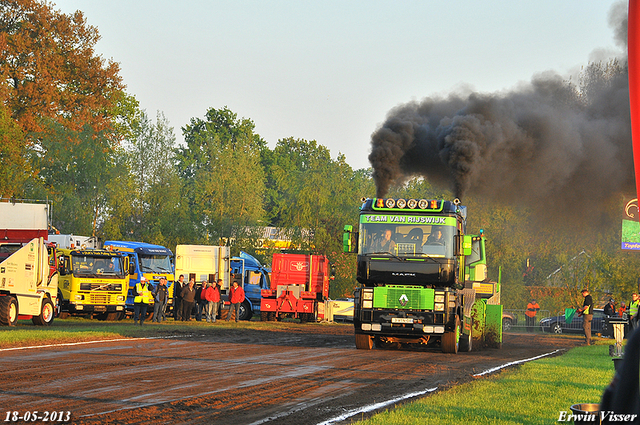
[93, 282]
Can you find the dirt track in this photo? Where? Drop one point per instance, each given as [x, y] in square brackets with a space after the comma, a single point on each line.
[307, 375]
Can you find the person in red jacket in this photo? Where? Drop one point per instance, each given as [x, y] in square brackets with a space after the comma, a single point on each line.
[211, 294]
[236, 297]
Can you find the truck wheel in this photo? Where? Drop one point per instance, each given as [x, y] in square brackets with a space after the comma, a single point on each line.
[264, 316]
[8, 311]
[450, 340]
[245, 311]
[46, 313]
[364, 342]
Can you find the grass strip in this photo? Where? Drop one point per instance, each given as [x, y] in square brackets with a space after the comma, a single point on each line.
[533, 393]
[78, 329]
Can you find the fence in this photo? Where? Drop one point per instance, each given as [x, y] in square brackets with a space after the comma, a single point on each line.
[515, 321]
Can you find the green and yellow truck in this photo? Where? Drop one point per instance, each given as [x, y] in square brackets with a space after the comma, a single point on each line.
[421, 277]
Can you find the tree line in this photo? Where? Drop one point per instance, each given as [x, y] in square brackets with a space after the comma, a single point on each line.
[70, 133]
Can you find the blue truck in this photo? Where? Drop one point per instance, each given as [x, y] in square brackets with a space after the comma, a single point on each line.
[151, 261]
[254, 277]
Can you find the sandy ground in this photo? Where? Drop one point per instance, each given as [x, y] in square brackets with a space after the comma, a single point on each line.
[305, 375]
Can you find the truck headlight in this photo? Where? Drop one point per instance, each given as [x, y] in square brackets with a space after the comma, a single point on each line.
[367, 304]
[439, 307]
[367, 295]
[120, 297]
[78, 297]
[439, 298]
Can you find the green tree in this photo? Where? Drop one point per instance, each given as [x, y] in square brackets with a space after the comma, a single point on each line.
[223, 178]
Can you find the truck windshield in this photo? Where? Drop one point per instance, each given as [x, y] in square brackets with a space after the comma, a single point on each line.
[407, 240]
[155, 263]
[97, 266]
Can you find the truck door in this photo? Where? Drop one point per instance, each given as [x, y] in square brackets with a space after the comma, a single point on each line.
[252, 286]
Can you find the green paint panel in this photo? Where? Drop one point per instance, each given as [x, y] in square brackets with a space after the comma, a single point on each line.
[493, 322]
[394, 296]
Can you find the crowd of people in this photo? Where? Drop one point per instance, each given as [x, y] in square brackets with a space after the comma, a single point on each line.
[205, 299]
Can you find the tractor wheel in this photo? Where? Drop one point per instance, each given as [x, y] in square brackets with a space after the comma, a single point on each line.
[47, 312]
[364, 342]
[451, 340]
[8, 311]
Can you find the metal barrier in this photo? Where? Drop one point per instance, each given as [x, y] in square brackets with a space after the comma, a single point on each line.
[514, 320]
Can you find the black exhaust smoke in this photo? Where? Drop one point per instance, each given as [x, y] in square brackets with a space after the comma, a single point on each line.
[544, 142]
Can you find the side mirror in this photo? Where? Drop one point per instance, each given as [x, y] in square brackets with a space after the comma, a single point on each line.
[347, 246]
[466, 245]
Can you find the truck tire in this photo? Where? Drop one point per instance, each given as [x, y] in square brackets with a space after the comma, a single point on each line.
[47, 313]
[264, 316]
[8, 311]
[450, 340]
[245, 311]
[364, 342]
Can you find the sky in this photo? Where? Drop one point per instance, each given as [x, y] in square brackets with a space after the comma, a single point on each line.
[330, 70]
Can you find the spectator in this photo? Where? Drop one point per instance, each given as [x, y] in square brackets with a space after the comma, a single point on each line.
[236, 297]
[532, 310]
[622, 310]
[610, 308]
[586, 311]
[160, 297]
[622, 396]
[179, 285]
[201, 303]
[212, 296]
[141, 301]
[188, 300]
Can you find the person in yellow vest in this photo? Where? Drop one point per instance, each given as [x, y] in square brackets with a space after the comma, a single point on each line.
[141, 301]
[586, 311]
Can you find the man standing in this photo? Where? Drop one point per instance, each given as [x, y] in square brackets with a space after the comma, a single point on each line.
[586, 311]
[188, 300]
[236, 297]
[141, 301]
[177, 298]
[212, 296]
[160, 299]
[532, 310]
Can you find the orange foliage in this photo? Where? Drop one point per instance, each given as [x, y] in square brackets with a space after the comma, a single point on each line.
[49, 68]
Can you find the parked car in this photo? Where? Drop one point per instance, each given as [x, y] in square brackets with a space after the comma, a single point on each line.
[508, 321]
[558, 324]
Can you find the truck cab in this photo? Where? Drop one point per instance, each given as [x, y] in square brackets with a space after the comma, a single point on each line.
[92, 282]
[253, 277]
[151, 261]
[411, 269]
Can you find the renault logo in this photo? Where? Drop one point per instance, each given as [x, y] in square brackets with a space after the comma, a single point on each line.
[403, 300]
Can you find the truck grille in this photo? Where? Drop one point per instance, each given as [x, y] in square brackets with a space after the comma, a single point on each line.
[89, 286]
[100, 298]
[402, 297]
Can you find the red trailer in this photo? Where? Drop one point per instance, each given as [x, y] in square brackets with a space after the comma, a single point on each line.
[299, 288]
